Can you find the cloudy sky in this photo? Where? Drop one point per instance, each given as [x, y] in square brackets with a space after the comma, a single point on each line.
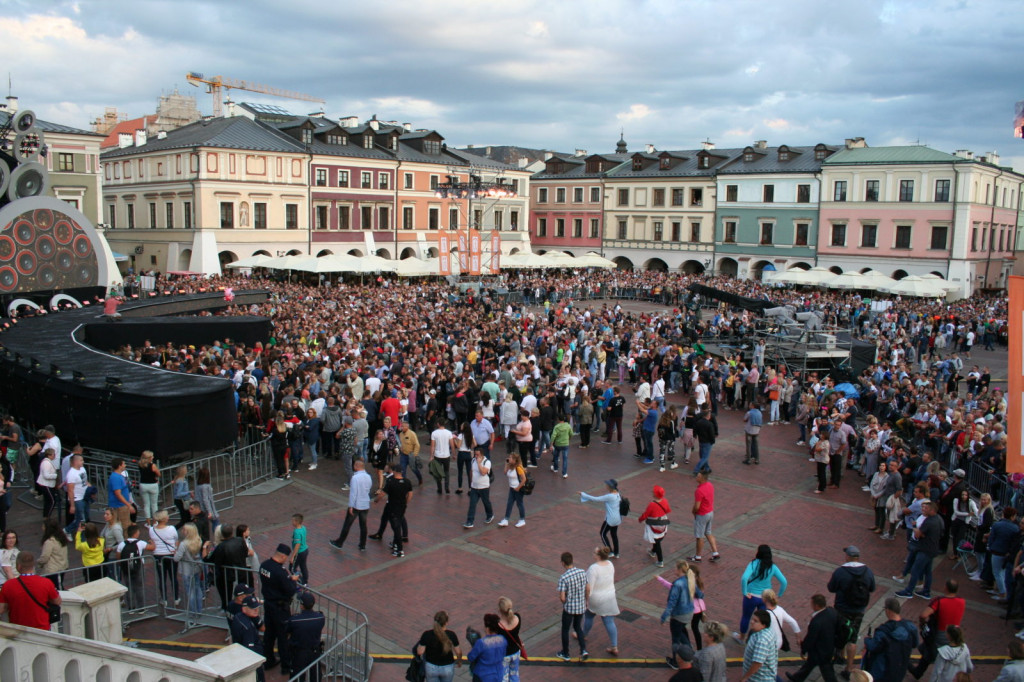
[559, 74]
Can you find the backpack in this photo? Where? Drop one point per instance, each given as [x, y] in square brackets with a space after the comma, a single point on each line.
[623, 506]
[529, 484]
[857, 594]
[133, 554]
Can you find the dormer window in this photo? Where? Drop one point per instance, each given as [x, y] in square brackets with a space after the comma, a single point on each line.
[394, 143]
[703, 162]
[367, 141]
[334, 139]
[783, 155]
[638, 164]
[431, 147]
[307, 136]
[747, 156]
[665, 163]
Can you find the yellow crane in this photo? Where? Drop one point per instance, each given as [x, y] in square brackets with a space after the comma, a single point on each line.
[214, 85]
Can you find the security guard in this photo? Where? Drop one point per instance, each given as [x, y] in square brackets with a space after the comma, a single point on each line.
[235, 605]
[304, 630]
[278, 589]
[244, 630]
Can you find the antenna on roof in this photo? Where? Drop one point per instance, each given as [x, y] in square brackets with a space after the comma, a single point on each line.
[9, 88]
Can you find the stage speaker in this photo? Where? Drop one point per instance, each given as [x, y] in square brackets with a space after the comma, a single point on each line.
[27, 145]
[28, 180]
[5, 176]
[24, 121]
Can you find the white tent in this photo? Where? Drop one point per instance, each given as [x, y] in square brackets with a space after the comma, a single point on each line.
[525, 261]
[414, 267]
[284, 262]
[373, 263]
[918, 287]
[256, 261]
[327, 264]
[878, 279]
[812, 277]
[848, 280]
[594, 260]
[944, 283]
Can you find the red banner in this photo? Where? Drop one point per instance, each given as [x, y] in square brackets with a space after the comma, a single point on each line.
[463, 251]
[475, 252]
[444, 255]
[495, 252]
[1015, 391]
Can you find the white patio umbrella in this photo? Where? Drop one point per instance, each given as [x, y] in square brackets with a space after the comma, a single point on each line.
[374, 263]
[285, 262]
[878, 279]
[415, 267]
[524, 260]
[328, 264]
[945, 283]
[917, 287]
[848, 280]
[595, 260]
[810, 277]
[256, 261]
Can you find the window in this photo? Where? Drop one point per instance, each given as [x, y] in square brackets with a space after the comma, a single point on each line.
[560, 195]
[732, 192]
[638, 164]
[748, 156]
[677, 231]
[478, 219]
[307, 136]
[433, 183]
[659, 231]
[595, 195]
[703, 162]
[368, 141]
[577, 227]
[941, 192]
[839, 190]
[66, 162]
[783, 155]
[595, 230]
[623, 197]
[666, 163]
[384, 218]
[432, 147]
[152, 216]
[131, 216]
[343, 178]
[112, 211]
[767, 230]
[408, 180]
[227, 215]
[903, 236]
[291, 216]
[321, 177]
[344, 217]
[730, 232]
[696, 196]
[677, 196]
[939, 233]
[802, 230]
[333, 138]
[819, 154]
[871, 190]
[694, 232]
[319, 217]
[769, 194]
[453, 218]
[577, 195]
[560, 227]
[658, 198]
[407, 218]
[366, 217]
[542, 227]
[383, 180]
[623, 230]
[839, 235]
[974, 239]
[906, 190]
[515, 185]
[542, 195]
[187, 208]
[259, 216]
[499, 220]
[513, 221]
[169, 215]
[366, 180]
[803, 194]
[868, 236]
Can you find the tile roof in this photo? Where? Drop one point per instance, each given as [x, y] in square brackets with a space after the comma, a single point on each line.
[906, 154]
[49, 127]
[130, 126]
[801, 160]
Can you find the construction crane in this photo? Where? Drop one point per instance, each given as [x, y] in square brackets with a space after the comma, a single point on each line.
[214, 85]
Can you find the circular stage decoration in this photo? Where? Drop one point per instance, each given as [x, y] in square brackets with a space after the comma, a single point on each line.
[47, 245]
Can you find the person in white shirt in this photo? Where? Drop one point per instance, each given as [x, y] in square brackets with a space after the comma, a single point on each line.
[779, 617]
[442, 447]
[74, 485]
[658, 392]
[480, 488]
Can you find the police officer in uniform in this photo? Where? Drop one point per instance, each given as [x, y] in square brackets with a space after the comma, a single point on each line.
[304, 630]
[245, 631]
[278, 589]
[235, 605]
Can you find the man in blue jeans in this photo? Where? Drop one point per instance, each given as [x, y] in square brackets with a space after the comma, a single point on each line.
[927, 535]
[704, 431]
[479, 488]
[650, 425]
[75, 486]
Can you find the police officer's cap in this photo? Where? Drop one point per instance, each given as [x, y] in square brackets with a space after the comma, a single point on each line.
[307, 600]
[251, 602]
[242, 588]
[283, 549]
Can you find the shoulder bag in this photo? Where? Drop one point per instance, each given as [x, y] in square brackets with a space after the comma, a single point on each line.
[52, 610]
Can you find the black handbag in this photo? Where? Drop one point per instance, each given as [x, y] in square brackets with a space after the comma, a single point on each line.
[52, 610]
[417, 671]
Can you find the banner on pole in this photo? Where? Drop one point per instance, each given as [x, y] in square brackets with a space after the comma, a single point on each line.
[495, 252]
[463, 251]
[1015, 390]
[444, 255]
[475, 252]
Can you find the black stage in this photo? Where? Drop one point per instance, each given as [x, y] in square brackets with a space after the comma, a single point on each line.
[168, 412]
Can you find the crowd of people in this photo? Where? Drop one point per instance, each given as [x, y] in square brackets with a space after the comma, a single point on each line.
[400, 380]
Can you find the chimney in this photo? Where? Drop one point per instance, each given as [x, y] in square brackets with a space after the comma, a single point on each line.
[229, 108]
[649, 148]
[993, 158]
[348, 121]
[855, 143]
[124, 140]
[140, 137]
[523, 162]
[490, 150]
[548, 155]
[964, 154]
[760, 144]
[581, 152]
[407, 127]
[161, 135]
[374, 123]
[12, 104]
[707, 145]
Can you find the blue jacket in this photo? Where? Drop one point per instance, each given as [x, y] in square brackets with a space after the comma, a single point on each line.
[679, 602]
[611, 506]
[1002, 536]
[888, 651]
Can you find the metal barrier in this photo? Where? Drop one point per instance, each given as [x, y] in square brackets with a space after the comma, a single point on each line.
[139, 575]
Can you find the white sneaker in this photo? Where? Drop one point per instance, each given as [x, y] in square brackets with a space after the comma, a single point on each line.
[661, 470]
[673, 466]
[520, 523]
[312, 467]
[502, 523]
[866, 488]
